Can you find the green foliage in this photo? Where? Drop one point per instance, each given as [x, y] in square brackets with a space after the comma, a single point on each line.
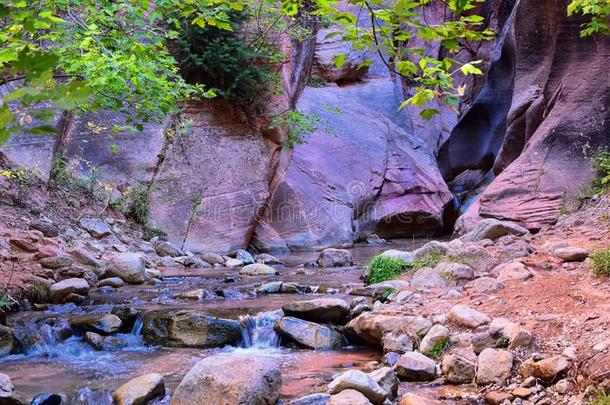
[235, 68]
[599, 13]
[61, 174]
[316, 81]
[600, 262]
[430, 260]
[601, 163]
[382, 268]
[438, 349]
[297, 126]
[6, 302]
[138, 205]
[601, 398]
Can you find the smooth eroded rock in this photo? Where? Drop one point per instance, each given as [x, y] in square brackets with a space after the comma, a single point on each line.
[128, 266]
[59, 291]
[335, 258]
[361, 382]
[230, 379]
[414, 366]
[140, 390]
[309, 334]
[319, 310]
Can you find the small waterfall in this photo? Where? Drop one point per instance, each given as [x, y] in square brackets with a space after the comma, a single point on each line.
[87, 396]
[138, 325]
[257, 331]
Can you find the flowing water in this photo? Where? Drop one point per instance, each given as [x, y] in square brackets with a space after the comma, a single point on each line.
[56, 361]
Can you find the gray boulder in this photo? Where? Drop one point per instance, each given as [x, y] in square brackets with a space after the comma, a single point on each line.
[309, 334]
[127, 266]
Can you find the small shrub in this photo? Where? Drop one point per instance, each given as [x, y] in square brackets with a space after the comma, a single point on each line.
[438, 349]
[601, 163]
[601, 262]
[601, 399]
[430, 260]
[139, 204]
[382, 268]
[316, 81]
[297, 126]
[60, 172]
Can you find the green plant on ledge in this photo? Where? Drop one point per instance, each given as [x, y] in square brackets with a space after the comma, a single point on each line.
[383, 268]
[601, 262]
[438, 349]
[601, 163]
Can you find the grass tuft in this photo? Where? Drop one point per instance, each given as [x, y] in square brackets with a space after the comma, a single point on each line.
[601, 262]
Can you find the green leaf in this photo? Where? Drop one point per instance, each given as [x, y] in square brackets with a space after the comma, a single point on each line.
[469, 68]
[428, 113]
[339, 60]
[41, 130]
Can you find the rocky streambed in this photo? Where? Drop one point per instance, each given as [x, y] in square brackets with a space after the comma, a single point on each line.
[86, 351]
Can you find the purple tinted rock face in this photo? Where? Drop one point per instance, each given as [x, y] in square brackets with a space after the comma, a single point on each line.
[555, 119]
[361, 172]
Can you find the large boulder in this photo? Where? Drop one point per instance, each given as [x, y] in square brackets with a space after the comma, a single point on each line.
[189, 328]
[437, 336]
[230, 379]
[549, 370]
[512, 271]
[334, 258]
[492, 229]
[59, 291]
[494, 366]
[465, 316]
[361, 382]
[459, 366]
[140, 390]
[96, 227]
[127, 266]
[167, 249]
[257, 269]
[7, 340]
[100, 323]
[386, 378]
[56, 262]
[330, 44]
[309, 334]
[319, 310]
[414, 366]
[349, 397]
[372, 326]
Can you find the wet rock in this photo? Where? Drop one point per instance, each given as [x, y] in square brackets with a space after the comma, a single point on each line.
[437, 335]
[268, 259]
[270, 288]
[319, 310]
[375, 240]
[498, 398]
[335, 258]
[95, 340]
[372, 326]
[397, 341]
[428, 277]
[309, 334]
[7, 392]
[96, 227]
[465, 316]
[414, 366]
[104, 324]
[46, 227]
[572, 254]
[258, 269]
[398, 254]
[232, 263]
[413, 399]
[458, 272]
[212, 258]
[140, 390]
[459, 366]
[199, 294]
[127, 313]
[58, 292]
[189, 328]
[312, 399]
[494, 366]
[114, 282]
[56, 262]
[386, 378]
[491, 228]
[512, 271]
[164, 248]
[7, 340]
[127, 266]
[244, 256]
[361, 382]
[377, 289]
[191, 261]
[74, 298]
[391, 358]
[224, 379]
[349, 397]
[152, 274]
[549, 370]
[47, 399]
[487, 284]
